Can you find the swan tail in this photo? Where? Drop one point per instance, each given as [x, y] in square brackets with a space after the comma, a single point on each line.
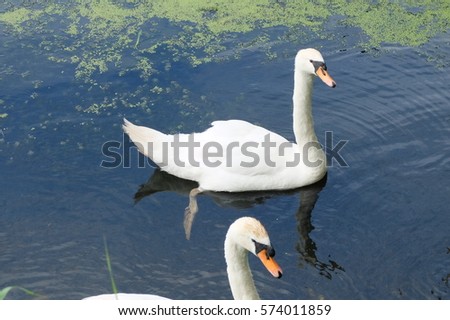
[149, 142]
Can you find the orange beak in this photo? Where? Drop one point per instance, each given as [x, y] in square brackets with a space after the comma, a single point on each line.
[270, 264]
[325, 77]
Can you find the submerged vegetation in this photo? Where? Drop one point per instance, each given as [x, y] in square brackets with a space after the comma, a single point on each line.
[123, 37]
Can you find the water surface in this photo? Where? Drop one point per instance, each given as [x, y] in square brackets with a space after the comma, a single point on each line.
[375, 229]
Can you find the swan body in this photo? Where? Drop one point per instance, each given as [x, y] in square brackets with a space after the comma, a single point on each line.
[245, 235]
[126, 296]
[235, 155]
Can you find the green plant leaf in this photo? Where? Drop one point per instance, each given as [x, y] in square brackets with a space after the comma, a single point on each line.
[6, 290]
[108, 263]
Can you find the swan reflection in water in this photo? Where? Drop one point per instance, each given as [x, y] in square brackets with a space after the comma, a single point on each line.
[163, 181]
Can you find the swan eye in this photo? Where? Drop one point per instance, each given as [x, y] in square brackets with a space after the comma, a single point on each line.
[318, 64]
[270, 251]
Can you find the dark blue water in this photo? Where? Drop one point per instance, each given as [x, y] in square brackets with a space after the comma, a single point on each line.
[378, 228]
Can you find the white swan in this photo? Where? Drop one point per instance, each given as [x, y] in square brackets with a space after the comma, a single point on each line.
[235, 155]
[245, 235]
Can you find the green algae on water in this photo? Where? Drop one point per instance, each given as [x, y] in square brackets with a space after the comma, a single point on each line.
[130, 36]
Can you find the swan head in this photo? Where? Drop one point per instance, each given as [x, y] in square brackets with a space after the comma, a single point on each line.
[250, 234]
[311, 62]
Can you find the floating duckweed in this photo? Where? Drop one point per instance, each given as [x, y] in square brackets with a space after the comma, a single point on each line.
[146, 67]
[157, 90]
[37, 83]
[16, 17]
[120, 37]
[388, 22]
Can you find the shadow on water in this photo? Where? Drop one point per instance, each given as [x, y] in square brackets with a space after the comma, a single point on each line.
[162, 181]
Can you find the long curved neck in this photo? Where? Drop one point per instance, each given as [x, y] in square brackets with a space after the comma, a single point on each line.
[303, 120]
[239, 274]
